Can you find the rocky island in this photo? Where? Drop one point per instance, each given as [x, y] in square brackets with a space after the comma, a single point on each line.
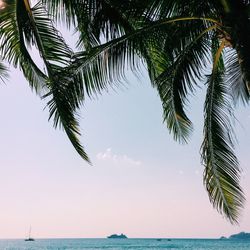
[239, 236]
[116, 236]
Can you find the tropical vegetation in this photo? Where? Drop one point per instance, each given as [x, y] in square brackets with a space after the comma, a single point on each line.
[182, 44]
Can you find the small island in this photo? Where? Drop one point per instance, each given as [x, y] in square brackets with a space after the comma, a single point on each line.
[240, 236]
[223, 238]
[116, 236]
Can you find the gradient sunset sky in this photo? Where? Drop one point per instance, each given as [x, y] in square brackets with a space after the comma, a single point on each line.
[142, 183]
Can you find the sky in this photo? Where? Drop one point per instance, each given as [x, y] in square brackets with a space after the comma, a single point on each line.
[142, 183]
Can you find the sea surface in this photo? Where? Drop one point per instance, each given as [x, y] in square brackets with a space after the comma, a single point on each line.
[124, 244]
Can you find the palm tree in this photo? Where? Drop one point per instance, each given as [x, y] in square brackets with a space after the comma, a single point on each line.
[181, 43]
[23, 28]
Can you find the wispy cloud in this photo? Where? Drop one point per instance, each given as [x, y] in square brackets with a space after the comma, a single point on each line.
[108, 155]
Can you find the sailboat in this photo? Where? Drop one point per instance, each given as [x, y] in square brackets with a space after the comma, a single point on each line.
[29, 238]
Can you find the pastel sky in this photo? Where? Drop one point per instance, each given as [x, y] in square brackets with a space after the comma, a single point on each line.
[142, 183]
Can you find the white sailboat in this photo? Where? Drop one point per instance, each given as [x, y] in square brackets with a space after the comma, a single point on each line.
[29, 238]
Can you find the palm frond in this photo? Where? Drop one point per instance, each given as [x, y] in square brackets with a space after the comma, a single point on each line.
[105, 64]
[159, 9]
[234, 78]
[13, 46]
[63, 104]
[48, 40]
[65, 95]
[237, 19]
[222, 173]
[178, 73]
[94, 20]
[63, 10]
[108, 21]
[3, 72]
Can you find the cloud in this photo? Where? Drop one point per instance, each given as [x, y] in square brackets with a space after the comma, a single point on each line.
[108, 155]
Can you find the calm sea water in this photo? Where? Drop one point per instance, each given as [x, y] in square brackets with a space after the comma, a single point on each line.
[124, 244]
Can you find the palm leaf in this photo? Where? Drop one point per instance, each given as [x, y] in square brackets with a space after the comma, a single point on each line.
[95, 20]
[178, 78]
[13, 46]
[3, 72]
[64, 10]
[235, 78]
[222, 173]
[103, 65]
[65, 94]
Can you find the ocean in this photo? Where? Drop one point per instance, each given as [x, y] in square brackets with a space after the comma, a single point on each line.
[124, 244]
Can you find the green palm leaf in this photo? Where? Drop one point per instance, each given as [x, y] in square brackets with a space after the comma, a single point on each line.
[178, 78]
[65, 94]
[234, 78]
[103, 65]
[222, 173]
[93, 19]
[12, 44]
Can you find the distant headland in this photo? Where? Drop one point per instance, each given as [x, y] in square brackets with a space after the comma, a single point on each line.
[239, 236]
[116, 236]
